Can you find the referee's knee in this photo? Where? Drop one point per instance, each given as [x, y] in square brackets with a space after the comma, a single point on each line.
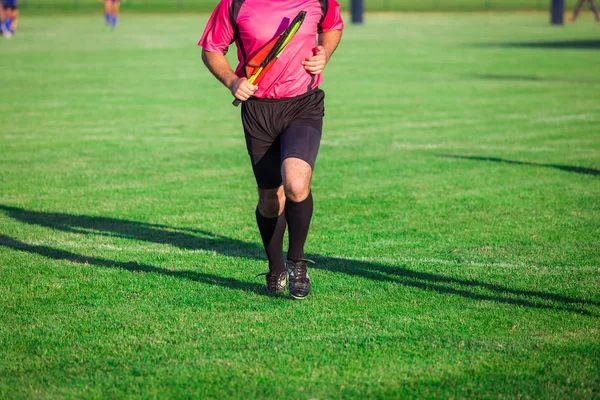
[297, 190]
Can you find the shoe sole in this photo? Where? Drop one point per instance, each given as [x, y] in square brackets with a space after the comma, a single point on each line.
[299, 297]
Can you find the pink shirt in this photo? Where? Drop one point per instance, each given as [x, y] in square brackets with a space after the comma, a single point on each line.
[259, 21]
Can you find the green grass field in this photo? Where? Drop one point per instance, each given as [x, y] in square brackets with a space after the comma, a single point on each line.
[44, 6]
[456, 230]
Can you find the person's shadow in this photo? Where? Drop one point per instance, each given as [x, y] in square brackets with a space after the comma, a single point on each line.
[568, 168]
[197, 239]
[580, 44]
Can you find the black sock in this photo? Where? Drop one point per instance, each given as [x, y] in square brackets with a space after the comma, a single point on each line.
[298, 217]
[271, 231]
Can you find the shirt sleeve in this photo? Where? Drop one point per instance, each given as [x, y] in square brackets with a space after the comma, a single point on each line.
[218, 33]
[333, 19]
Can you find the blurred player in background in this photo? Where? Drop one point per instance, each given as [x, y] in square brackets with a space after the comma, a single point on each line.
[9, 14]
[111, 13]
[578, 8]
[1, 18]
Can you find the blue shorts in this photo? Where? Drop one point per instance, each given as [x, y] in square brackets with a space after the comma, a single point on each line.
[12, 4]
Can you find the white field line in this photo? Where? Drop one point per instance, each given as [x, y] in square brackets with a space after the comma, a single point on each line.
[131, 249]
[568, 117]
[111, 138]
[386, 260]
[414, 260]
[449, 146]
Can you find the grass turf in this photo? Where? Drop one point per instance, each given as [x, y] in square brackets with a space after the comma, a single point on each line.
[456, 226]
[78, 6]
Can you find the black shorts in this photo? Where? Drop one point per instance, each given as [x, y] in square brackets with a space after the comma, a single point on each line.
[280, 129]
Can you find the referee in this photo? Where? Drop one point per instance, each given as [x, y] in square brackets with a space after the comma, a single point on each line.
[282, 119]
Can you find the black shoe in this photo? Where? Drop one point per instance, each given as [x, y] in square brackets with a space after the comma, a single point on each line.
[276, 283]
[299, 279]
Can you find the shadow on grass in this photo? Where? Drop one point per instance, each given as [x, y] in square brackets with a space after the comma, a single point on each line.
[587, 44]
[196, 239]
[63, 255]
[531, 78]
[568, 168]
[500, 77]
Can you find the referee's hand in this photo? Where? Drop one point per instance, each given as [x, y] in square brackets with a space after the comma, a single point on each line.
[316, 64]
[242, 89]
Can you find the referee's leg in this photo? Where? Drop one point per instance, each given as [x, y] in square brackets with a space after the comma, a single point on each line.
[297, 174]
